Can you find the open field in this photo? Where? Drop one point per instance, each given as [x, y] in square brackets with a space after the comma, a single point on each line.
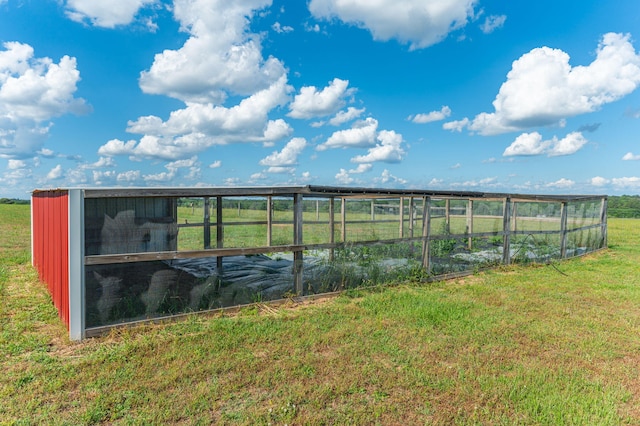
[547, 344]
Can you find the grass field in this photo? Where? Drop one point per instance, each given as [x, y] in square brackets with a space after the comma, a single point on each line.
[552, 344]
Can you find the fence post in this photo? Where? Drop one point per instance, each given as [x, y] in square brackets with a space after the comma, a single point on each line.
[426, 234]
[207, 224]
[506, 231]
[332, 227]
[447, 216]
[269, 220]
[219, 234]
[603, 222]
[470, 224]
[401, 217]
[563, 230]
[298, 261]
[343, 219]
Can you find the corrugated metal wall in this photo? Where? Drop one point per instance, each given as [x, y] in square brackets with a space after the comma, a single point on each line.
[50, 227]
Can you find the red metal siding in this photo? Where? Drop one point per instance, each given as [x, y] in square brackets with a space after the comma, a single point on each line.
[51, 245]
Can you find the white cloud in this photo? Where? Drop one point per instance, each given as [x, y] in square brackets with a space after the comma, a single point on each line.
[117, 147]
[200, 126]
[492, 23]
[288, 156]
[532, 144]
[627, 182]
[129, 176]
[599, 181]
[279, 28]
[457, 125]
[311, 102]
[456, 166]
[343, 178]
[420, 24]
[543, 89]
[561, 184]
[527, 144]
[386, 177]
[432, 116]
[362, 168]
[345, 116]
[106, 14]
[629, 156]
[55, 173]
[389, 150]
[216, 164]
[221, 55]
[361, 135]
[33, 91]
[16, 164]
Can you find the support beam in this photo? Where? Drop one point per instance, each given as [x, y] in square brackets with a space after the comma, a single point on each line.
[332, 227]
[563, 230]
[298, 261]
[506, 230]
[269, 220]
[207, 223]
[426, 234]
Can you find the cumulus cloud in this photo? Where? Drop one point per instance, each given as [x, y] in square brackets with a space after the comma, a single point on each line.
[562, 183]
[444, 112]
[386, 177]
[362, 168]
[599, 181]
[492, 23]
[417, 23]
[389, 150]
[32, 92]
[457, 125]
[200, 126]
[543, 89]
[361, 135]
[345, 116]
[106, 14]
[55, 173]
[629, 156]
[220, 56]
[533, 144]
[279, 28]
[288, 156]
[343, 177]
[632, 182]
[311, 102]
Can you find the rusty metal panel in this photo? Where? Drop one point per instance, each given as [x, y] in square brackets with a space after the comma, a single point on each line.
[50, 212]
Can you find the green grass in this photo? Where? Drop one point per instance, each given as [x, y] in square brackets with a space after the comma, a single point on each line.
[535, 345]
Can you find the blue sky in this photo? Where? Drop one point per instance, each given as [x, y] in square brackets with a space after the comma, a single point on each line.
[486, 95]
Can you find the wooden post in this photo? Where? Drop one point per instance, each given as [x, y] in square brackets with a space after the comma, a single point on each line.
[411, 218]
[563, 230]
[298, 261]
[401, 230]
[426, 233]
[219, 233]
[318, 210]
[373, 210]
[332, 227]
[343, 219]
[207, 224]
[506, 231]
[447, 216]
[603, 222]
[269, 220]
[470, 224]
